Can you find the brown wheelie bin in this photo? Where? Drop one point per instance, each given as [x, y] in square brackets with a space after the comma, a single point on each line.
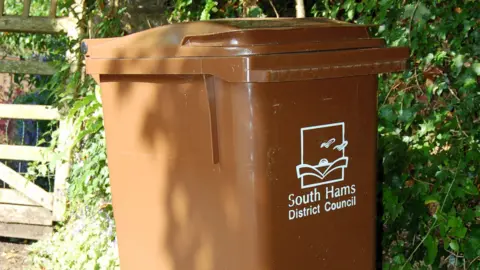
[243, 144]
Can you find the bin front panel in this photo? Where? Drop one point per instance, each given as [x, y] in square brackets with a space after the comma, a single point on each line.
[293, 188]
[174, 208]
[319, 151]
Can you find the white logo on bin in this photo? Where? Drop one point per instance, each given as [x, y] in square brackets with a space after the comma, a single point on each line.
[323, 159]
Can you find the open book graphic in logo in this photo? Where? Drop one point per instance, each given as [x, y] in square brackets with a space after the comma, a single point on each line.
[323, 159]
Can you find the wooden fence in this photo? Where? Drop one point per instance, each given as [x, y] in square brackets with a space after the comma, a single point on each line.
[27, 24]
[26, 209]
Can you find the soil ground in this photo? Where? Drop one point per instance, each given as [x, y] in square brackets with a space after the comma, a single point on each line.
[13, 254]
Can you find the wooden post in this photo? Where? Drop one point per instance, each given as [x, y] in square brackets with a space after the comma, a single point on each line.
[53, 8]
[78, 32]
[62, 171]
[64, 146]
[26, 8]
[2, 4]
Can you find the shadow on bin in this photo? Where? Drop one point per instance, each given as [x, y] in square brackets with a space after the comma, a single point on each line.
[191, 217]
[189, 214]
[202, 157]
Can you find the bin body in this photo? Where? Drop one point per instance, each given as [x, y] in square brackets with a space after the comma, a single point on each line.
[272, 169]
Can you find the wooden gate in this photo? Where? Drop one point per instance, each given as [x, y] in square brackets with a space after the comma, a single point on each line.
[26, 209]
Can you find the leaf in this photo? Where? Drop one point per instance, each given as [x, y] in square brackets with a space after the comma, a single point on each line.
[255, 12]
[472, 245]
[427, 127]
[43, 170]
[470, 188]
[476, 68]
[469, 215]
[458, 62]
[432, 249]
[360, 7]
[469, 82]
[399, 259]
[454, 245]
[418, 11]
[446, 243]
[98, 95]
[459, 232]
[452, 222]
[387, 113]
[442, 229]
[351, 14]
[406, 115]
[431, 199]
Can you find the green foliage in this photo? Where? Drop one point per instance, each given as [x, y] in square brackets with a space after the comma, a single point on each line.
[188, 10]
[210, 6]
[87, 239]
[89, 196]
[87, 242]
[89, 193]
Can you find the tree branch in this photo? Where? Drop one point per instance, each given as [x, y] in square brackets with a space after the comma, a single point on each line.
[300, 7]
[274, 8]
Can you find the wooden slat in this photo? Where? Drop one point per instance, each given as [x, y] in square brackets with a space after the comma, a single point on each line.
[24, 153]
[26, 8]
[25, 231]
[60, 191]
[44, 25]
[2, 7]
[11, 196]
[27, 188]
[26, 67]
[53, 8]
[25, 214]
[62, 172]
[32, 112]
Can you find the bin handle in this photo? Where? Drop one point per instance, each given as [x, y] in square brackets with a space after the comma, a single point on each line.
[212, 107]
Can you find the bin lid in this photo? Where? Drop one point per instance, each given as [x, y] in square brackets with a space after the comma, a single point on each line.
[236, 37]
[256, 50]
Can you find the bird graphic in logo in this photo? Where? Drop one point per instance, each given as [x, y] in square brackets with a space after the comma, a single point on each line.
[324, 163]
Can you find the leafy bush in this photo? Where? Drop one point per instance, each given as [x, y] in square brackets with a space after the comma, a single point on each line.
[429, 139]
[87, 238]
[86, 242]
